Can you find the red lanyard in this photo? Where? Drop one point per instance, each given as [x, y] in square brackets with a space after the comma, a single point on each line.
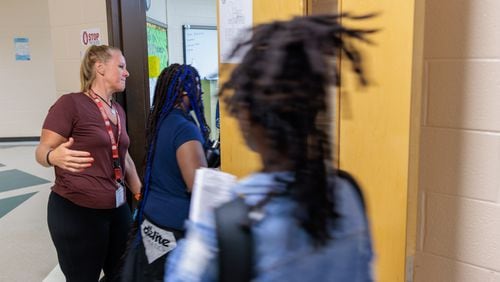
[114, 142]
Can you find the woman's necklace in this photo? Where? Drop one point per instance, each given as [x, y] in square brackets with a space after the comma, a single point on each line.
[110, 104]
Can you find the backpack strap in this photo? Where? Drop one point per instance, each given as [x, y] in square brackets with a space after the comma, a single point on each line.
[345, 175]
[235, 241]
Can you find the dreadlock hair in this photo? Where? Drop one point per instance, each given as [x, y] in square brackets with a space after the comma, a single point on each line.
[283, 81]
[173, 82]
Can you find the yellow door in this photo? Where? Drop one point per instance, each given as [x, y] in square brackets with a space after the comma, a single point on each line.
[377, 132]
[235, 156]
[375, 136]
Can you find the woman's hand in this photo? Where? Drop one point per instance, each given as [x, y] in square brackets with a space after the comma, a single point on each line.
[54, 150]
[75, 161]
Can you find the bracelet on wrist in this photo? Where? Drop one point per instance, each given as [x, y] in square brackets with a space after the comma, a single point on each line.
[47, 157]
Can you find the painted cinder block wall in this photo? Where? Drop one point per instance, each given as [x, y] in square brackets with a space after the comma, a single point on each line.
[26, 86]
[67, 19]
[459, 201]
[53, 28]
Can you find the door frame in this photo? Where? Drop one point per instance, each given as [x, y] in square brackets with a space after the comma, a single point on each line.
[127, 31]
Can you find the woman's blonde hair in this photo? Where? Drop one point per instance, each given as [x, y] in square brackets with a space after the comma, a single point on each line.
[94, 54]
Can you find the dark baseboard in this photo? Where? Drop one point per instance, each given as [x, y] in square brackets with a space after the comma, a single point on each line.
[20, 139]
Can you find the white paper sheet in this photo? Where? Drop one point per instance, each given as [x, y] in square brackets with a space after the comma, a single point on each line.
[211, 188]
[236, 16]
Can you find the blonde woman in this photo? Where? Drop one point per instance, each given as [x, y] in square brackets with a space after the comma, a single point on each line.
[84, 138]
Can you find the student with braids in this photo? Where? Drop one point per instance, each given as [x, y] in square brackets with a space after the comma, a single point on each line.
[307, 221]
[176, 150]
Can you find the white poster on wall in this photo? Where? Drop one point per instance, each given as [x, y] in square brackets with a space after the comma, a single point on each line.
[235, 20]
[90, 36]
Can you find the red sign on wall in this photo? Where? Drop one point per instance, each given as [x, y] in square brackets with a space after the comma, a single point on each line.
[90, 37]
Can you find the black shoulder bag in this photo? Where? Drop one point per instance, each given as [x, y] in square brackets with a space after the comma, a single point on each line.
[235, 242]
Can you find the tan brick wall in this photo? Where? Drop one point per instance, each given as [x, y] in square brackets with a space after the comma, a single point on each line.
[460, 144]
[26, 86]
[67, 19]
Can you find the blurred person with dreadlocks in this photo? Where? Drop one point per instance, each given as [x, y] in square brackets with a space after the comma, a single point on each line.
[176, 149]
[305, 221]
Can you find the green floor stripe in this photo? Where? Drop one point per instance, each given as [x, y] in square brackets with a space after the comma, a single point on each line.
[15, 179]
[8, 204]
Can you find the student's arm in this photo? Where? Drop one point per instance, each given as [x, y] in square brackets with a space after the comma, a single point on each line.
[190, 157]
[131, 176]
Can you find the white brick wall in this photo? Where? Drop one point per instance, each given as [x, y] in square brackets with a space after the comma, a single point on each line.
[459, 230]
[67, 19]
[53, 27]
[434, 268]
[26, 86]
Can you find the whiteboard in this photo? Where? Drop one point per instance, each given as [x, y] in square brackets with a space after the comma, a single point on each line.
[200, 49]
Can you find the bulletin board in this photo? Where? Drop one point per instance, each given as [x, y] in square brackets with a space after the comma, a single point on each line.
[157, 48]
[201, 50]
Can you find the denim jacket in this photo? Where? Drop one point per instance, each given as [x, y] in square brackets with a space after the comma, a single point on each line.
[283, 250]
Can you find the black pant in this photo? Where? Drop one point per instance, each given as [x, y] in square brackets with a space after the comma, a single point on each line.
[136, 266]
[87, 240]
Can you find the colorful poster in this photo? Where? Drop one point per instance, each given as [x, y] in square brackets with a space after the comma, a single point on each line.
[157, 49]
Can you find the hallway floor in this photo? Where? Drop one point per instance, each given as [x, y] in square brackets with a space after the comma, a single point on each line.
[26, 250]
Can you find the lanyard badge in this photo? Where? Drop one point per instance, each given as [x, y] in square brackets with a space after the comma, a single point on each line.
[120, 191]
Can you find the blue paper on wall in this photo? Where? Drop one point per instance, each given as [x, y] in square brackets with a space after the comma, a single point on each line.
[22, 48]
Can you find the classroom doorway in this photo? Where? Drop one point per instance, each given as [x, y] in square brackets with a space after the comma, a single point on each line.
[150, 33]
